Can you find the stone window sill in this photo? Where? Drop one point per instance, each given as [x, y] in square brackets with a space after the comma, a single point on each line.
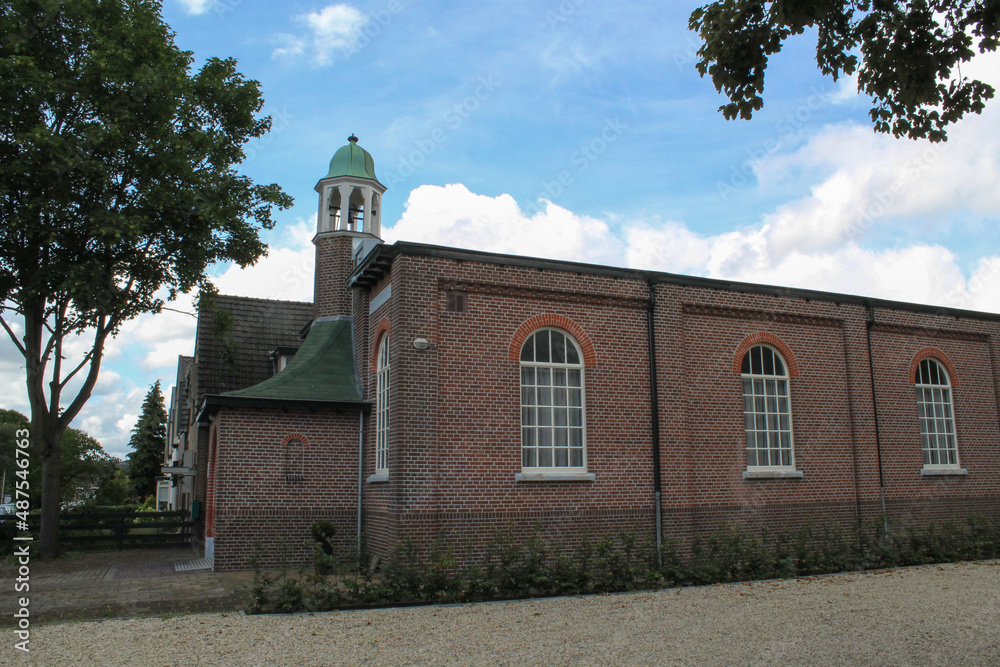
[772, 474]
[939, 472]
[554, 477]
[378, 477]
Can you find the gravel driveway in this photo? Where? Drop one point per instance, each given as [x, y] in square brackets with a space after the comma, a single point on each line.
[934, 615]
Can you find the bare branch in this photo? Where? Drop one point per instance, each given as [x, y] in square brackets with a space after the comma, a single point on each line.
[101, 333]
[54, 339]
[55, 389]
[79, 366]
[104, 327]
[13, 337]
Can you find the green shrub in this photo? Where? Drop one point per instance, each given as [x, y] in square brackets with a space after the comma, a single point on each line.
[508, 568]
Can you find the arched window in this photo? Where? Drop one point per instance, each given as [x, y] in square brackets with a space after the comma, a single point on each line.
[552, 421]
[937, 422]
[382, 408]
[767, 411]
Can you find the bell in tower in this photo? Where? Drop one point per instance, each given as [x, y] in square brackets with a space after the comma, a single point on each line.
[350, 196]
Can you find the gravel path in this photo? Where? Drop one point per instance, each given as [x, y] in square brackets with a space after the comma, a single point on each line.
[934, 615]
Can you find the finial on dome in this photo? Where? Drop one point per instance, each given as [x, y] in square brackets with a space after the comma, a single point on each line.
[352, 138]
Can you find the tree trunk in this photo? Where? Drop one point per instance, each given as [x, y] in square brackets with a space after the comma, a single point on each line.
[48, 542]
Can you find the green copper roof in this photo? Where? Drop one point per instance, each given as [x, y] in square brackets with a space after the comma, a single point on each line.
[352, 160]
[322, 370]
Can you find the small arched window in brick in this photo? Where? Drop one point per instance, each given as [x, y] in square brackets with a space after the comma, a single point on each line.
[294, 461]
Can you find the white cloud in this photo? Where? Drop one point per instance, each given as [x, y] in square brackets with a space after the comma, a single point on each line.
[454, 216]
[333, 29]
[286, 272]
[920, 272]
[125, 423]
[197, 6]
[291, 47]
[871, 181]
[846, 91]
[669, 247]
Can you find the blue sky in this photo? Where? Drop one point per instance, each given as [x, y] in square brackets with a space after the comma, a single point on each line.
[578, 130]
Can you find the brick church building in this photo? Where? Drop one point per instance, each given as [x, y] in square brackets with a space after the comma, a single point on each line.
[431, 389]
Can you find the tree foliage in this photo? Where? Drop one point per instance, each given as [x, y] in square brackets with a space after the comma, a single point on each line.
[118, 188]
[86, 467]
[148, 442]
[907, 54]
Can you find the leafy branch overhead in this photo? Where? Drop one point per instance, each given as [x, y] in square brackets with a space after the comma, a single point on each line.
[907, 54]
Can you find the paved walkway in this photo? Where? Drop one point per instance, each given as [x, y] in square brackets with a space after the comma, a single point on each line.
[133, 582]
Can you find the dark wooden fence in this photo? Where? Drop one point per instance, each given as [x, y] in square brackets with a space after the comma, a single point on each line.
[124, 530]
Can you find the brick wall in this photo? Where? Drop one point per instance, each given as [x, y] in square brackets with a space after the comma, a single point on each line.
[199, 435]
[333, 266]
[252, 499]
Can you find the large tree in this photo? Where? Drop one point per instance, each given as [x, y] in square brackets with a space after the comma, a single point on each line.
[118, 188]
[148, 441]
[907, 53]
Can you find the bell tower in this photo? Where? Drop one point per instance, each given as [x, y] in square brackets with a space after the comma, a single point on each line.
[348, 225]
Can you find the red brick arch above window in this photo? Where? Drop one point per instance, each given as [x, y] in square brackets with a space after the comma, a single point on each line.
[381, 330]
[559, 322]
[938, 356]
[292, 437]
[764, 338]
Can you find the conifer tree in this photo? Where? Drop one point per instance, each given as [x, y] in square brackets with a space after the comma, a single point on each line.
[149, 437]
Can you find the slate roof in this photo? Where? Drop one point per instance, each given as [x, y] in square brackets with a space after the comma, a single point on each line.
[235, 340]
[322, 370]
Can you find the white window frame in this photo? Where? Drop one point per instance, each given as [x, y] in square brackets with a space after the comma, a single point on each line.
[382, 402]
[542, 379]
[941, 424]
[766, 417]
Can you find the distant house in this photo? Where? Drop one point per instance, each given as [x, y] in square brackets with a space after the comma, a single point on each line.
[438, 389]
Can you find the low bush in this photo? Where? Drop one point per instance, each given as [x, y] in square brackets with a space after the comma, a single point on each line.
[510, 569]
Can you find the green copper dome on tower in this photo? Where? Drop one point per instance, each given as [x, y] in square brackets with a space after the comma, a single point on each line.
[352, 160]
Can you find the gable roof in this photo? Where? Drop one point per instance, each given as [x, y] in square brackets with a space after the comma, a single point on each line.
[236, 336]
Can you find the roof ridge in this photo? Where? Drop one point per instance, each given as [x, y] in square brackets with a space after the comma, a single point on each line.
[259, 299]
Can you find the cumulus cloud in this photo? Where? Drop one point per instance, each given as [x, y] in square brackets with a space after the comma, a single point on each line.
[865, 182]
[286, 272]
[454, 216]
[762, 253]
[333, 30]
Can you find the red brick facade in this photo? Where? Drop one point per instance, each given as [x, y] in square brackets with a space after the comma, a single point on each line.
[256, 496]
[455, 413]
